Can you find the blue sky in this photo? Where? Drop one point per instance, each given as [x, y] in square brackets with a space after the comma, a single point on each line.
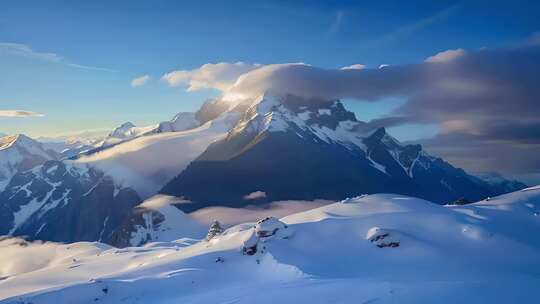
[84, 54]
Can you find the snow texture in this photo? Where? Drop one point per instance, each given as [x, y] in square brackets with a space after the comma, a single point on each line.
[486, 252]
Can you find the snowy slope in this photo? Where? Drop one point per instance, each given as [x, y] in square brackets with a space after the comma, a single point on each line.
[146, 163]
[371, 249]
[157, 220]
[19, 153]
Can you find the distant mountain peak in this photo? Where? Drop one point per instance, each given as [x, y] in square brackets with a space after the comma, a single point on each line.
[17, 139]
[20, 152]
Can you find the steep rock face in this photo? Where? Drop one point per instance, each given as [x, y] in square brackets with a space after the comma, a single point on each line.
[20, 153]
[296, 150]
[61, 202]
[434, 178]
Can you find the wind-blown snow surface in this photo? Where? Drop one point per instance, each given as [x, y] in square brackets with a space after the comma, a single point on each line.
[146, 163]
[488, 252]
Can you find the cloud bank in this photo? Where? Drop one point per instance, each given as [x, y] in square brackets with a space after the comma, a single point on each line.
[232, 216]
[485, 102]
[19, 113]
[219, 76]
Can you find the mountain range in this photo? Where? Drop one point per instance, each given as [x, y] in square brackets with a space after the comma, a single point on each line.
[252, 152]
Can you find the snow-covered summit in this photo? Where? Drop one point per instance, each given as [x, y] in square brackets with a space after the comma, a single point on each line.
[180, 122]
[327, 121]
[125, 132]
[19, 153]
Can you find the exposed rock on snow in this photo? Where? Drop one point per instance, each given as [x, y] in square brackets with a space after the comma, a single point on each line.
[271, 226]
[263, 231]
[382, 237]
[215, 229]
[249, 246]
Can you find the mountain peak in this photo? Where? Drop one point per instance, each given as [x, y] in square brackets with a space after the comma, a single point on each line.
[127, 125]
[378, 134]
[17, 139]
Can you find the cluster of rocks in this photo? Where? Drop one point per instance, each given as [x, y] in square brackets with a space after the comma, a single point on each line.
[263, 231]
[382, 238]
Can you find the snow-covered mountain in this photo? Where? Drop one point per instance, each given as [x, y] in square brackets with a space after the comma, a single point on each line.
[180, 122]
[292, 149]
[69, 148]
[20, 153]
[146, 163]
[380, 248]
[495, 179]
[247, 153]
[125, 132]
[95, 191]
[62, 201]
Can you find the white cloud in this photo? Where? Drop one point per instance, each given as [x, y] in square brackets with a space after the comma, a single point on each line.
[354, 67]
[139, 81]
[255, 195]
[219, 76]
[87, 67]
[23, 50]
[19, 113]
[26, 51]
[446, 56]
[302, 80]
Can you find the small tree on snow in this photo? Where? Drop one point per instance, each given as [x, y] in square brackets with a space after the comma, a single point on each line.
[214, 230]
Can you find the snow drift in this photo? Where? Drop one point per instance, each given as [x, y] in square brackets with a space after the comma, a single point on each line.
[486, 252]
